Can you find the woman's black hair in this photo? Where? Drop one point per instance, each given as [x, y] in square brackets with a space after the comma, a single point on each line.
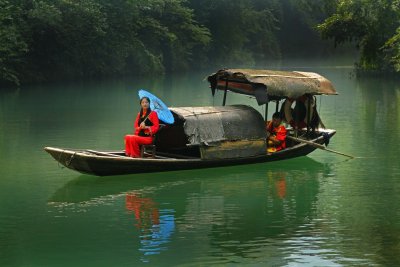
[141, 109]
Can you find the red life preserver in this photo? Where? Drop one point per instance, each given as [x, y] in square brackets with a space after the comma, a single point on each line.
[288, 111]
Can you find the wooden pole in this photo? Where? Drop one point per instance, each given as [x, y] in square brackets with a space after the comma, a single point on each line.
[309, 97]
[318, 146]
[265, 121]
[226, 90]
[105, 154]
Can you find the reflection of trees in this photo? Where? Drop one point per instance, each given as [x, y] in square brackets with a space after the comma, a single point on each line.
[368, 186]
[361, 206]
[381, 121]
[14, 130]
[352, 216]
[380, 114]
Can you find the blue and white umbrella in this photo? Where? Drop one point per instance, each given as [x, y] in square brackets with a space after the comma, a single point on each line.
[164, 114]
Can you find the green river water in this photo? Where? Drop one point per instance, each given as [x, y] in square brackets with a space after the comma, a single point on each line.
[319, 210]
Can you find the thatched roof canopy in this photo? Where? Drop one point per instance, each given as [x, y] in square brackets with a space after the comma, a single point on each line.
[276, 84]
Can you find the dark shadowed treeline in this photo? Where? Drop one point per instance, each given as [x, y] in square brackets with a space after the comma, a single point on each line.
[298, 34]
[51, 40]
[242, 31]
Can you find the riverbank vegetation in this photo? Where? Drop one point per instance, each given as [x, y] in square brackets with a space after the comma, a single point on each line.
[373, 26]
[52, 40]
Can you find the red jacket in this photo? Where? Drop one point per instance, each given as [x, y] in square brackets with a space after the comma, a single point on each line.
[153, 129]
[279, 133]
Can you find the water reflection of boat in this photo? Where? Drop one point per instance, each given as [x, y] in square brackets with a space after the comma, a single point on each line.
[156, 225]
[86, 188]
[253, 219]
[248, 204]
[203, 137]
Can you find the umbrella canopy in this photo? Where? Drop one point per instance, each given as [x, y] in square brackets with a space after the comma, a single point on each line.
[164, 114]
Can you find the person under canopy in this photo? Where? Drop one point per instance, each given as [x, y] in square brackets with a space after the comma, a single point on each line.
[276, 133]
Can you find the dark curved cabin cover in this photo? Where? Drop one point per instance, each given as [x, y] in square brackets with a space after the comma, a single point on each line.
[216, 132]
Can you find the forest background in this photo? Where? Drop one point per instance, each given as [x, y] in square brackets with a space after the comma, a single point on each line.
[54, 40]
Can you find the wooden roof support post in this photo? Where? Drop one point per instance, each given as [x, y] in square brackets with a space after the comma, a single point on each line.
[266, 120]
[225, 91]
[309, 97]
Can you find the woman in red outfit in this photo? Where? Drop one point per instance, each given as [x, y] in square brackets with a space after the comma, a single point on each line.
[146, 125]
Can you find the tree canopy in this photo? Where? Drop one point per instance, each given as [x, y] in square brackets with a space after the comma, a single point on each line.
[12, 44]
[44, 40]
[372, 26]
[51, 40]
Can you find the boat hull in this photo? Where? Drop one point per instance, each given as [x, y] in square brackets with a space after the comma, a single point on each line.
[104, 165]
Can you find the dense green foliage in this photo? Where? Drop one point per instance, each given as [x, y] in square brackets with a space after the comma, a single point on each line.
[45, 40]
[373, 26]
[12, 45]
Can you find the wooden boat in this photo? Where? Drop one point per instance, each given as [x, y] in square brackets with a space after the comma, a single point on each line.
[204, 137]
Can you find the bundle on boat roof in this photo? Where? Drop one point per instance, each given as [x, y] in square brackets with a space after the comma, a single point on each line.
[208, 125]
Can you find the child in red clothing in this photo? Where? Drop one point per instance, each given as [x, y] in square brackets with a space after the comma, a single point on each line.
[276, 133]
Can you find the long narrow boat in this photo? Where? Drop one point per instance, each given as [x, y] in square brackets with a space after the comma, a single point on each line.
[114, 163]
[204, 137]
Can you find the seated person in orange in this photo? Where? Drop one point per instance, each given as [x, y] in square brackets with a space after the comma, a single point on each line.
[276, 133]
[146, 125]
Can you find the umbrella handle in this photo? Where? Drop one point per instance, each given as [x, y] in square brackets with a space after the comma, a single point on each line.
[145, 119]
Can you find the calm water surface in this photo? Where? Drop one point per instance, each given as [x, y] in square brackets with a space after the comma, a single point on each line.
[320, 210]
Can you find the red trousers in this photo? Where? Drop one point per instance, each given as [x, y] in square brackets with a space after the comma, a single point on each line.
[133, 142]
